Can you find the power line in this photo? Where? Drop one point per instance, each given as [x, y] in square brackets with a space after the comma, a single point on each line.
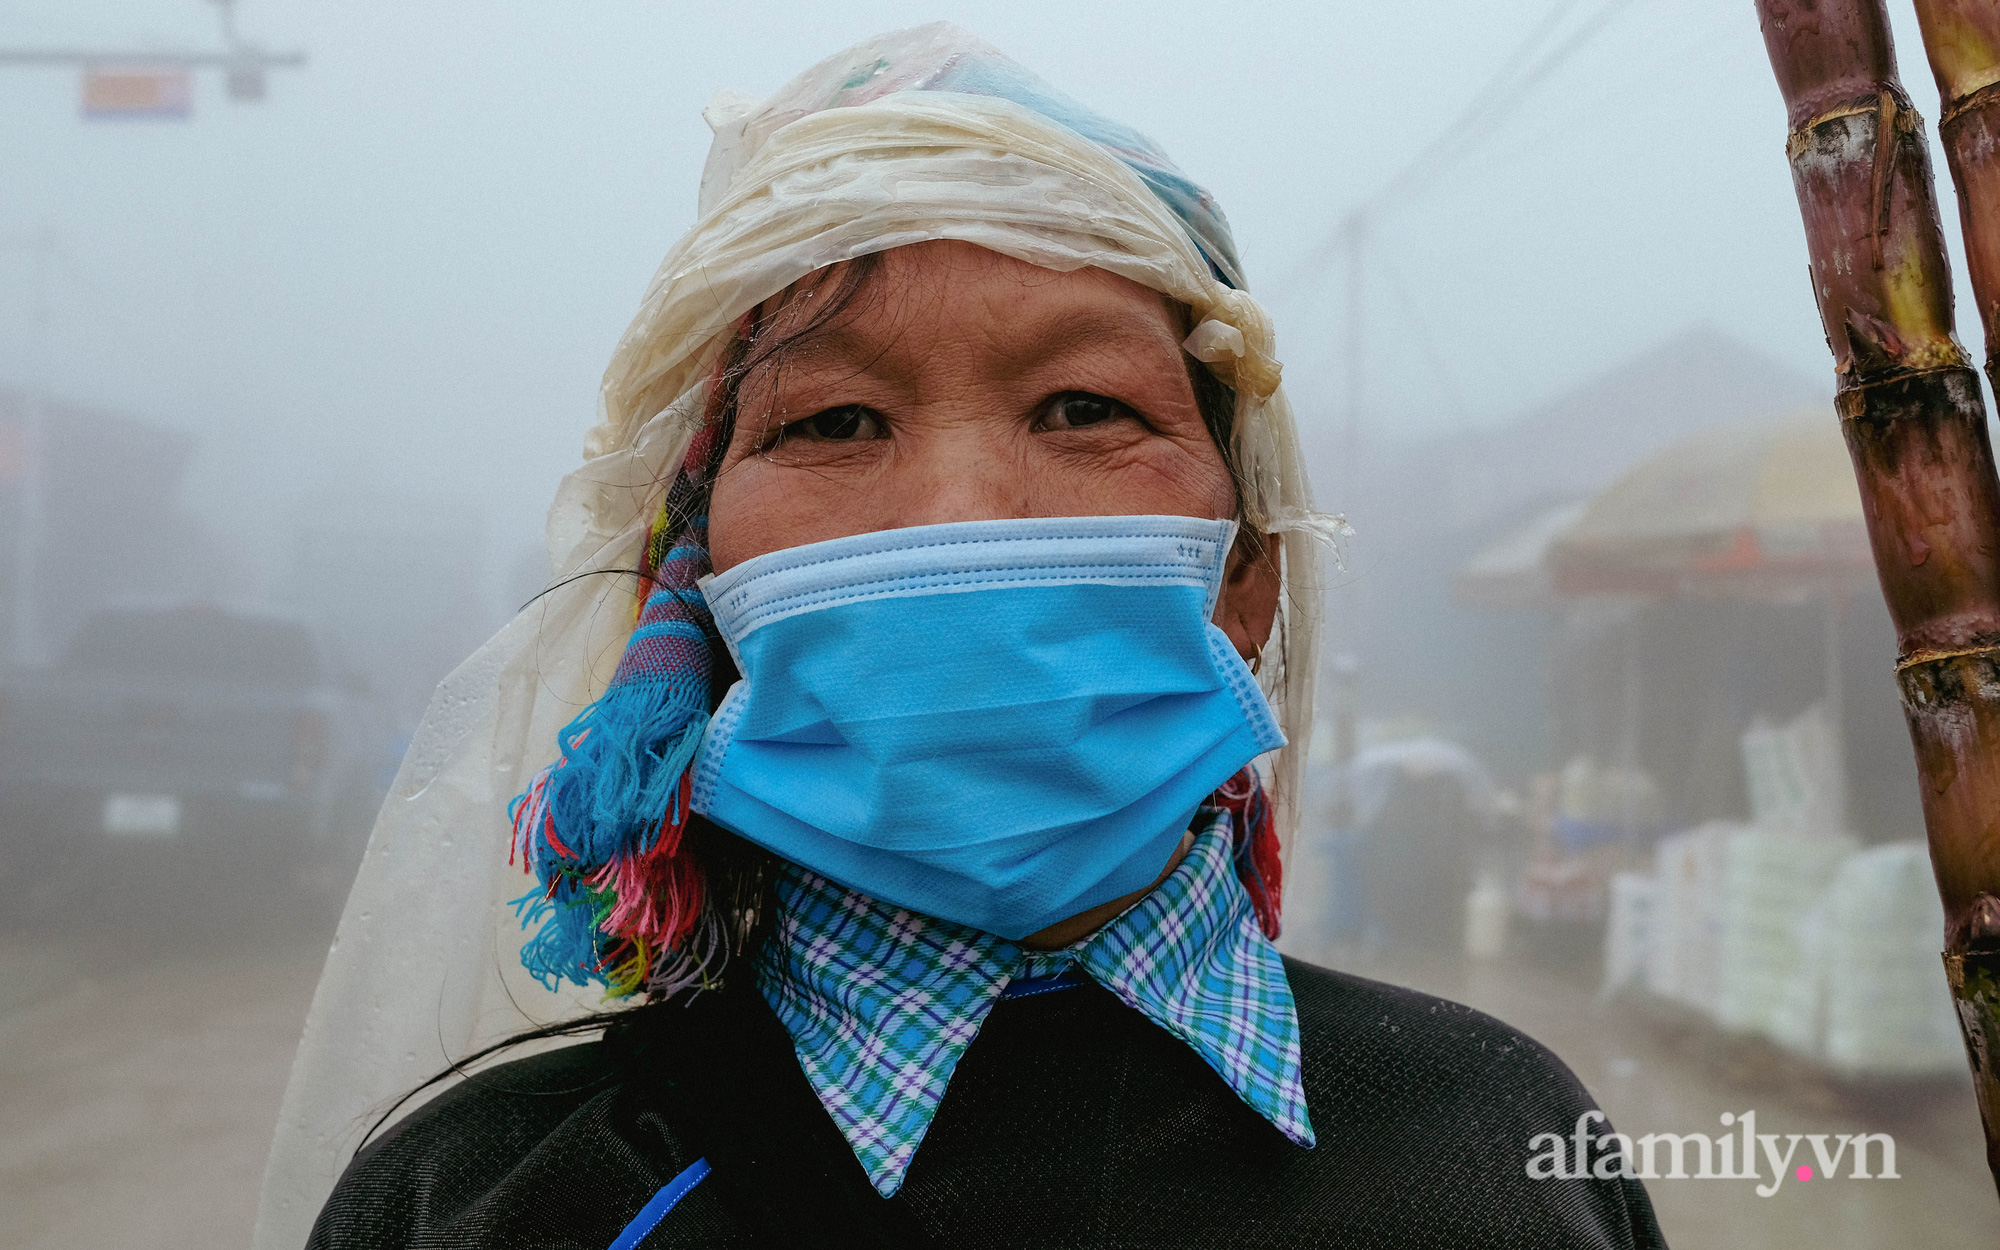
[1526, 66]
[1482, 120]
[1491, 97]
[248, 56]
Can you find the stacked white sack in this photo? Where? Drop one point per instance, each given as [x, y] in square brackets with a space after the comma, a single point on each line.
[1770, 880]
[1794, 773]
[1684, 960]
[1629, 929]
[1880, 979]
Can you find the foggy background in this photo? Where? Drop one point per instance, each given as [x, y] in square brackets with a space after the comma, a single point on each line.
[322, 358]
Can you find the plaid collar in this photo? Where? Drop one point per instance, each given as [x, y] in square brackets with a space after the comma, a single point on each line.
[881, 1003]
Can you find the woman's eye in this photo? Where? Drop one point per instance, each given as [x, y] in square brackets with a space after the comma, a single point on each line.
[849, 423]
[1077, 409]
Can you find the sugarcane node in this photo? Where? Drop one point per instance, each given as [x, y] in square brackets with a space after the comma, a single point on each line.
[1940, 719]
[1954, 109]
[1974, 978]
[1873, 238]
[1906, 399]
[1931, 659]
[1930, 500]
[1951, 706]
[1983, 924]
[1824, 53]
[1973, 974]
[1814, 136]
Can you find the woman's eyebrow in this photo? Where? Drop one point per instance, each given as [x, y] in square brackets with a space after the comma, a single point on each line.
[1052, 337]
[834, 346]
[1088, 330]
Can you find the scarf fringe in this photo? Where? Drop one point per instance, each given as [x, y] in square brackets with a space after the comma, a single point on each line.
[604, 829]
[623, 899]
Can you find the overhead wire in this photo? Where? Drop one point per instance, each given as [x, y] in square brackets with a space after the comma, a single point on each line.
[1482, 120]
[1528, 65]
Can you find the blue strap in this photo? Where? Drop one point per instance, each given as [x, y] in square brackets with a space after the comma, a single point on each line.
[1027, 987]
[653, 1212]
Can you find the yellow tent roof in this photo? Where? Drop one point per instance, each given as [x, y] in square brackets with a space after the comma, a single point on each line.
[1767, 508]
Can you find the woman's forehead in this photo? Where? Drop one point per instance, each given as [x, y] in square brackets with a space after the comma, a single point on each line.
[918, 296]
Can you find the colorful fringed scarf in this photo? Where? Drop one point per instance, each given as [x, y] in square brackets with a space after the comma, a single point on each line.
[604, 827]
[622, 897]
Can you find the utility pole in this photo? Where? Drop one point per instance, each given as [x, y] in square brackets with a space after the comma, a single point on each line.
[244, 63]
[1354, 235]
[24, 623]
[1343, 612]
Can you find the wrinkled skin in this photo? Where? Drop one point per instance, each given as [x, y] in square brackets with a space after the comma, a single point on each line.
[963, 385]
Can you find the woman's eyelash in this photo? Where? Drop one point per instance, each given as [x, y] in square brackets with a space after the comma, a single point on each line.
[1072, 410]
[855, 423]
[845, 423]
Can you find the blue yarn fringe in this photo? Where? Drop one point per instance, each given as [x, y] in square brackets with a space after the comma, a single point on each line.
[609, 794]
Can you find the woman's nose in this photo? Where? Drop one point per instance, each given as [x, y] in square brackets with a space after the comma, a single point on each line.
[961, 470]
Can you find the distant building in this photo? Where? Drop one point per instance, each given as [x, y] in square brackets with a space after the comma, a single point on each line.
[1425, 508]
[1576, 443]
[398, 583]
[90, 514]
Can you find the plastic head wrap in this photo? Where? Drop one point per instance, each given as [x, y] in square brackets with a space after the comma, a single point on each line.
[919, 135]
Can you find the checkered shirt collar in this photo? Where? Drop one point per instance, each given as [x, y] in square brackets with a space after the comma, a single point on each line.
[881, 1003]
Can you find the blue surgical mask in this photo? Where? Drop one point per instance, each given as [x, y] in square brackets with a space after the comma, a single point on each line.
[999, 723]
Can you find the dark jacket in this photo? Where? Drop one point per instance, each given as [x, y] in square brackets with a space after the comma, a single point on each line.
[1071, 1121]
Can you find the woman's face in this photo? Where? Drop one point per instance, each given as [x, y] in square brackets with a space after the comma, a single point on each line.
[963, 385]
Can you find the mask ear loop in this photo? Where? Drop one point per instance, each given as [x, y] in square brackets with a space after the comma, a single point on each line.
[1254, 849]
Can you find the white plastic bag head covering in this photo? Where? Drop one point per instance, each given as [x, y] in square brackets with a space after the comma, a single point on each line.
[918, 135]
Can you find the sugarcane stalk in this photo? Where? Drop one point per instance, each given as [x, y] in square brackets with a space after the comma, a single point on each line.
[1914, 419]
[1962, 40]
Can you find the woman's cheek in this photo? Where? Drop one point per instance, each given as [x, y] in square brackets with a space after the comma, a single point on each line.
[1149, 475]
[749, 514]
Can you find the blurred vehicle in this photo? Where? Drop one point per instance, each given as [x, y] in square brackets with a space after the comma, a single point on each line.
[193, 736]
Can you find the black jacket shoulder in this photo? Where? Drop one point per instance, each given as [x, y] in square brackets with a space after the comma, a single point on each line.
[1434, 1104]
[549, 1152]
[1071, 1121]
